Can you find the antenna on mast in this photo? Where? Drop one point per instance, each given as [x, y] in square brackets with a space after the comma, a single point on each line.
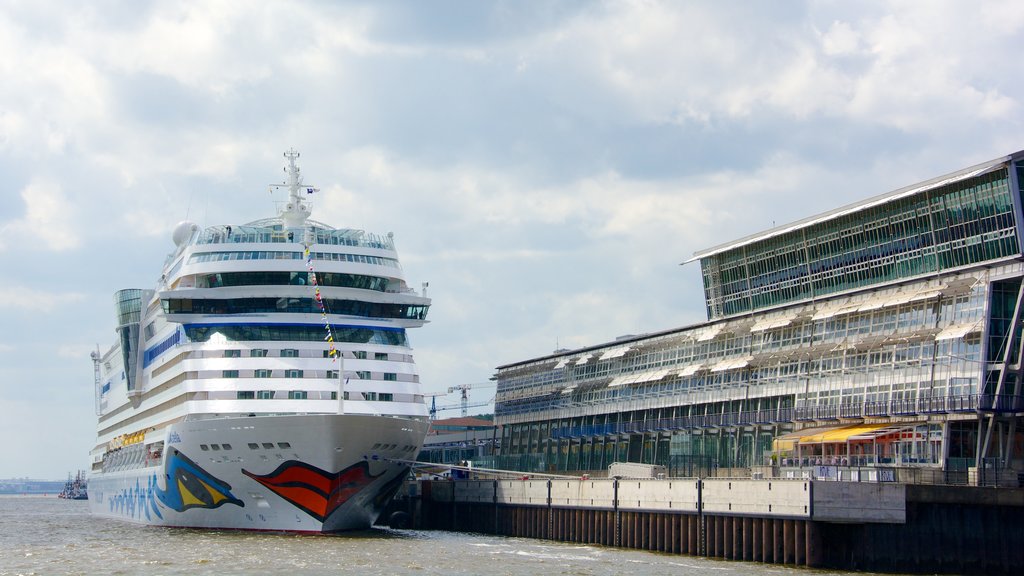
[296, 210]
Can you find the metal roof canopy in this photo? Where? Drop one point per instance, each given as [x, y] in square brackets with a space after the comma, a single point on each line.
[937, 182]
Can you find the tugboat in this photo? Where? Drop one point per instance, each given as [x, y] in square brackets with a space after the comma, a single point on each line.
[75, 488]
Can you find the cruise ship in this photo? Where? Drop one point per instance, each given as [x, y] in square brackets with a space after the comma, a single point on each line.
[265, 383]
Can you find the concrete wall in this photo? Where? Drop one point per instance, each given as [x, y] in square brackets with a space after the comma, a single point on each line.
[731, 497]
[596, 493]
[526, 492]
[766, 498]
[860, 502]
[679, 494]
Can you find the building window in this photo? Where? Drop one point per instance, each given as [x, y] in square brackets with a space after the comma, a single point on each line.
[332, 374]
[386, 397]
[380, 355]
[245, 394]
[232, 353]
[293, 373]
[258, 353]
[360, 354]
[253, 446]
[390, 377]
[289, 353]
[363, 374]
[296, 394]
[371, 396]
[261, 373]
[229, 374]
[265, 394]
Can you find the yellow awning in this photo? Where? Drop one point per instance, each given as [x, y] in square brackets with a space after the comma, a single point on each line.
[841, 434]
[786, 442]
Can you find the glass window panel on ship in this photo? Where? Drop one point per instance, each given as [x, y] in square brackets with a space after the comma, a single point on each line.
[293, 305]
[278, 255]
[298, 333]
[223, 279]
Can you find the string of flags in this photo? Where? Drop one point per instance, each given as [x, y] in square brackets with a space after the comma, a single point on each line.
[331, 350]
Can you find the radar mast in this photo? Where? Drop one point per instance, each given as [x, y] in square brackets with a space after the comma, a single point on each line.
[296, 210]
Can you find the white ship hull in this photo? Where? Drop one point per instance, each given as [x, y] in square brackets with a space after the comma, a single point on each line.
[294, 473]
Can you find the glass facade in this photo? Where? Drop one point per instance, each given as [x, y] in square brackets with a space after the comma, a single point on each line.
[957, 225]
[901, 316]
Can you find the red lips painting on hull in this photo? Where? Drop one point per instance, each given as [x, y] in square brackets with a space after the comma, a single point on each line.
[315, 491]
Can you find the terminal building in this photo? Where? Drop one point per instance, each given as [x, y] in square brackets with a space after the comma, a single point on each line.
[880, 338]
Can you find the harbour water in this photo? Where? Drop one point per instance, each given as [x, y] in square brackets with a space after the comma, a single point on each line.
[50, 536]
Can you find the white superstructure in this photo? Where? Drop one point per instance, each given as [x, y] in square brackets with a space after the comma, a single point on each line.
[266, 383]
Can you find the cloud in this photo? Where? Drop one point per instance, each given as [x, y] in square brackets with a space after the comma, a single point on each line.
[32, 300]
[545, 168]
[48, 220]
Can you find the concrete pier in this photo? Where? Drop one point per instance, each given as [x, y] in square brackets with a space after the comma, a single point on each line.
[839, 525]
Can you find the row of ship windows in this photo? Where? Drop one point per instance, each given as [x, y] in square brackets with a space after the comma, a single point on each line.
[304, 395]
[268, 255]
[252, 446]
[294, 353]
[293, 373]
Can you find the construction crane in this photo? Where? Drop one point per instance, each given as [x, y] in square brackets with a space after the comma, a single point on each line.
[464, 389]
[433, 402]
[461, 406]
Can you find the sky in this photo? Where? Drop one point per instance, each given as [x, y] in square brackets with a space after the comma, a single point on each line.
[545, 166]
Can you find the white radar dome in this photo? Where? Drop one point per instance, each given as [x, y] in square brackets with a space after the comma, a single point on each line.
[183, 231]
